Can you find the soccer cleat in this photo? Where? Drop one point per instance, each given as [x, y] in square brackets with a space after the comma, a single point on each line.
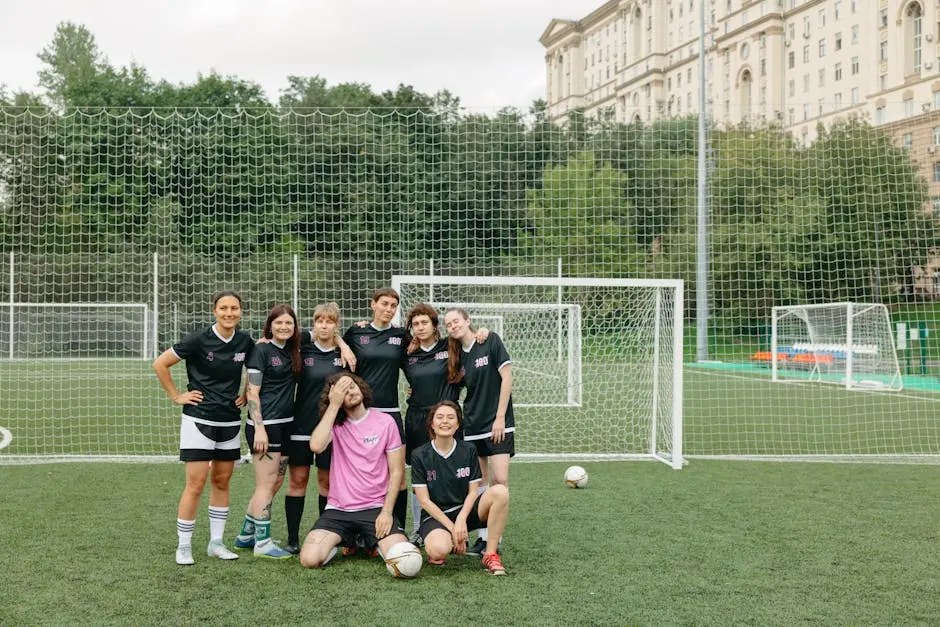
[292, 548]
[349, 551]
[243, 543]
[416, 539]
[493, 564]
[271, 551]
[184, 556]
[478, 547]
[219, 550]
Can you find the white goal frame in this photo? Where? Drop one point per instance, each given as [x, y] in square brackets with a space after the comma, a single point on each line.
[674, 458]
[572, 331]
[145, 332]
[846, 345]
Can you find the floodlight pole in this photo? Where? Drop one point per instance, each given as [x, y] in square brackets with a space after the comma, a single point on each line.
[701, 252]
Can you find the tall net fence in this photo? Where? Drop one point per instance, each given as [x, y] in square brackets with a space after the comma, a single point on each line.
[158, 209]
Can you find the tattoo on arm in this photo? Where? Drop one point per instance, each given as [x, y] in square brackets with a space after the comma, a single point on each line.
[254, 411]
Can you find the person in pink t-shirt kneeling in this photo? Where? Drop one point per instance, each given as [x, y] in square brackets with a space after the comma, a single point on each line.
[366, 471]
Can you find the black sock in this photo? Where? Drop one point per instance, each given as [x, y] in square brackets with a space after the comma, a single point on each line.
[401, 507]
[294, 508]
[322, 503]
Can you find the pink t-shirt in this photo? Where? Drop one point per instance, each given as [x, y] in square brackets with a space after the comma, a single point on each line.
[358, 467]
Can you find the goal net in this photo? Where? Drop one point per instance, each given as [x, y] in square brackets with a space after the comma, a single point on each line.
[288, 204]
[548, 370]
[71, 331]
[597, 363]
[848, 344]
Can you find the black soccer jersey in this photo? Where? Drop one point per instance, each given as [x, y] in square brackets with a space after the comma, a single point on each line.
[426, 372]
[318, 364]
[446, 475]
[277, 382]
[481, 364]
[214, 367]
[379, 355]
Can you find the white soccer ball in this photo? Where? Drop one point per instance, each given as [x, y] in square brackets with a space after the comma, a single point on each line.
[576, 477]
[403, 560]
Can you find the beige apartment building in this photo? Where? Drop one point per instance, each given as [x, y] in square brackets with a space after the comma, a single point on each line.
[799, 62]
[796, 62]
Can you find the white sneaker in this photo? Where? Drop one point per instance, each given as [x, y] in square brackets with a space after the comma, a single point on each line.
[217, 549]
[184, 556]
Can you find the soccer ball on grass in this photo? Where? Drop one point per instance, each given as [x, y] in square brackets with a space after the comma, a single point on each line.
[403, 560]
[576, 477]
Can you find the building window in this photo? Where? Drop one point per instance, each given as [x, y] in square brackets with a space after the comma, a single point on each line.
[913, 38]
[854, 34]
[822, 78]
[791, 60]
[791, 115]
[936, 171]
[822, 18]
[855, 95]
[745, 51]
[936, 100]
[838, 100]
[806, 26]
[805, 112]
[908, 107]
[883, 82]
[837, 72]
[880, 117]
[837, 10]
[883, 51]
[854, 66]
[854, 4]
[822, 48]
[907, 141]
[805, 54]
[883, 18]
[791, 31]
[791, 88]
[763, 67]
[838, 41]
[805, 83]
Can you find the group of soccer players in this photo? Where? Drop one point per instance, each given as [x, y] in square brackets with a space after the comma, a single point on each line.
[306, 407]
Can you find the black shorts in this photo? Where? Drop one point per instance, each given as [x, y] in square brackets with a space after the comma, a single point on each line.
[416, 430]
[473, 520]
[355, 528]
[298, 451]
[396, 415]
[277, 436]
[202, 443]
[486, 447]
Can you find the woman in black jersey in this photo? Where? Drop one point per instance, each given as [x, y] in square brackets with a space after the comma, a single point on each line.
[321, 358]
[425, 367]
[446, 476]
[273, 371]
[211, 423]
[485, 369]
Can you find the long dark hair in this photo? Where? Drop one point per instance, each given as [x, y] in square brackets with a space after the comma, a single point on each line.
[454, 348]
[430, 418]
[331, 381]
[422, 309]
[293, 344]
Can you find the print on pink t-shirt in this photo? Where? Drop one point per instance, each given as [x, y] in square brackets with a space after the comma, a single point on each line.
[359, 468]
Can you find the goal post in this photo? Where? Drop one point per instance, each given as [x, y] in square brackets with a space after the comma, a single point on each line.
[846, 344]
[621, 359]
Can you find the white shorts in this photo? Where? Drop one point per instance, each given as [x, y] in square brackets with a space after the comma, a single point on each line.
[205, 442]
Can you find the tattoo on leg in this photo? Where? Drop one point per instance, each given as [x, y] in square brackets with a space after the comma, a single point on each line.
[282, 469]
[266, 512]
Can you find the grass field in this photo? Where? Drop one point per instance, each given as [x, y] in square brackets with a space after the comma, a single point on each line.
[718, 543]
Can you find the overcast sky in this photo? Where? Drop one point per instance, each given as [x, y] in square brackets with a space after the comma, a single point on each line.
[486, 52]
